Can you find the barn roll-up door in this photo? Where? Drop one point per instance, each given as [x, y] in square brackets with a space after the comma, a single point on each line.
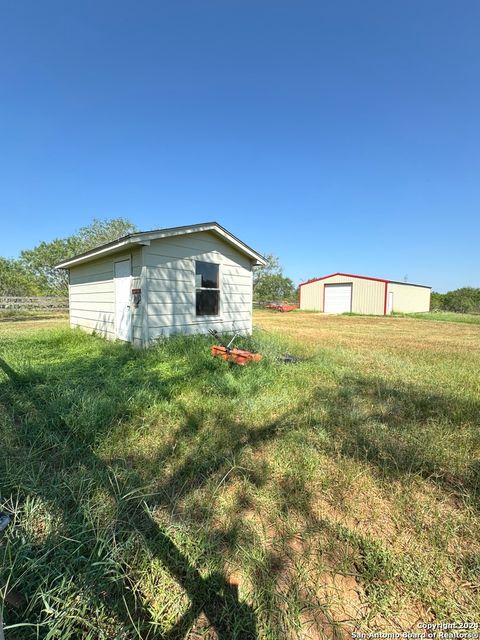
[338, 298]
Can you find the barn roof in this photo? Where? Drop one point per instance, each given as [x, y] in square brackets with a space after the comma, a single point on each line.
[353, 275]
[144, 237]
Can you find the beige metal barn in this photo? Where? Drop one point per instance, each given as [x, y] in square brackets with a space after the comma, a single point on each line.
[346, 292]
[158, 283]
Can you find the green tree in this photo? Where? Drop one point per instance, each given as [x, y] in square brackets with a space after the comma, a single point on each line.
[102, 231]
[16, 280]
[275, 288]
[41, 260]
[272, 268]
[464, 300]
[270, 284]
[437, 301]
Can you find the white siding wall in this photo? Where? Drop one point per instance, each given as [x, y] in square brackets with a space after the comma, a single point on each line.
[165, 272]
[92, 295]
[408, 298]
[170, 280]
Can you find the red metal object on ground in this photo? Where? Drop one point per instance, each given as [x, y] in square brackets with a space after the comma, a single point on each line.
[287, 307]
[238, 356]
[282, 307]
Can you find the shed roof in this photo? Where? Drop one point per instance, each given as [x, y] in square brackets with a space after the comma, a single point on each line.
[144, 237]
[353, 275]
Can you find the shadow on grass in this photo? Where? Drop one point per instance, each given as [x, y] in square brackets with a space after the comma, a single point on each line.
[405, 430]
[37, 419]
[56, 431]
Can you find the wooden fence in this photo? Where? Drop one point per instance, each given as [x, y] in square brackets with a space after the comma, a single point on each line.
[45, 303]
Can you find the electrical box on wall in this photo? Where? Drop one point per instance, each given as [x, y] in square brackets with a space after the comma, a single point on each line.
[136, 296]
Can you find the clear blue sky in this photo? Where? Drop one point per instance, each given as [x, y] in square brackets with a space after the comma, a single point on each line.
[340, 135]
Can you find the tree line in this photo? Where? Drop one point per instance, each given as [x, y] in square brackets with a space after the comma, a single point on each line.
[463, 300]
[34, 273]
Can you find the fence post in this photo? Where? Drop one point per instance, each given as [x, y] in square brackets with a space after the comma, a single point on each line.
[47, 303]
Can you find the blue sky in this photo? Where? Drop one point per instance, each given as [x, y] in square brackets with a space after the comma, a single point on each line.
[341, 136]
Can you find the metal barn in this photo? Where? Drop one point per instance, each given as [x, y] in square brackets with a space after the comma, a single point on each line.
[346, 292]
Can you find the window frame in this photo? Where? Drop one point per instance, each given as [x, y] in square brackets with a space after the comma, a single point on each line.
[209, 317]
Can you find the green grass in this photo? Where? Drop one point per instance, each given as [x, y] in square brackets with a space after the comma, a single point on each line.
[443, 316]
[439, 316]
[164, 493]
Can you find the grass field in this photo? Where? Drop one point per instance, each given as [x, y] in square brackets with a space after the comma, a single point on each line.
[437, 316]
[165, 494]
[31, 319]
[444, 316]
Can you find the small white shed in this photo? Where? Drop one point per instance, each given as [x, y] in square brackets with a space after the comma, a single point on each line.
[159, 283]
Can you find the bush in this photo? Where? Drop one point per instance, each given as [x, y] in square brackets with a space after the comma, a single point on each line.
[437, 301]
[464, 300]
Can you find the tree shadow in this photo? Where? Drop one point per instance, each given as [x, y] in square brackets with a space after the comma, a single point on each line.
[367, 419]
[37, 419]
[392, 427]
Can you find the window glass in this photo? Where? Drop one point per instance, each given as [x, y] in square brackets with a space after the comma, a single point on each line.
[208, 302]
[206, 275]
[207, 289]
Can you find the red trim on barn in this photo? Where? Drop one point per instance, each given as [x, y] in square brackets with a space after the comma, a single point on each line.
[347, 275]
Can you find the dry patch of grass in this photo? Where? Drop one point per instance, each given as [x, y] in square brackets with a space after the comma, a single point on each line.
[32, 321]
[404, 496]
[368, 333]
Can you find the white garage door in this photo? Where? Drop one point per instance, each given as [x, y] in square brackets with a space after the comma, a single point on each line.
[338, 298]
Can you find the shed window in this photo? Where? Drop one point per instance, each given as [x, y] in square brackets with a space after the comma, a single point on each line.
[207, 288]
